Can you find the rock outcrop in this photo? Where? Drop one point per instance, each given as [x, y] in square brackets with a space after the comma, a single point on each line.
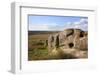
[68, 40]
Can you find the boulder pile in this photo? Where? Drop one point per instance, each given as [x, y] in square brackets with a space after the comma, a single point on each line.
[68, 40]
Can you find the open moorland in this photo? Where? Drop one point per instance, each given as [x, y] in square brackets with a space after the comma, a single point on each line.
[67, 44]
[37, 45]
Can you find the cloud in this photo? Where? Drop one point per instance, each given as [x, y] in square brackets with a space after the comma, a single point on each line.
[38, 27]
[43, 27]
[82, 24]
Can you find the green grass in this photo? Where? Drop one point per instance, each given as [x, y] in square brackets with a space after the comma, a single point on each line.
[38, 54]
[38, 51]
[44, 54]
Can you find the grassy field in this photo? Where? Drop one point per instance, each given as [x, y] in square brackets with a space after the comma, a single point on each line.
[37, 47]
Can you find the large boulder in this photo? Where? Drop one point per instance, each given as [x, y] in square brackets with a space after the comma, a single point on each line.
[50, 42]
[69, 39]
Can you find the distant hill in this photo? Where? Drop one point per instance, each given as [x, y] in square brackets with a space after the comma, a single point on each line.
[41, 32]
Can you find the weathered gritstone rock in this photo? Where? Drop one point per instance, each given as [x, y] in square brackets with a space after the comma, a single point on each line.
[69, 39]
[50, 42]
[46, 43]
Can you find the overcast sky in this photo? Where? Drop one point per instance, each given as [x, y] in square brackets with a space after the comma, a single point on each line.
[56, 23]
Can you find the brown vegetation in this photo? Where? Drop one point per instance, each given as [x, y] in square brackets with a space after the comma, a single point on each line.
[68, 44]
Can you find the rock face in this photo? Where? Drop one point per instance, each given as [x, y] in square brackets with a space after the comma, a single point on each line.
[69, 39]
